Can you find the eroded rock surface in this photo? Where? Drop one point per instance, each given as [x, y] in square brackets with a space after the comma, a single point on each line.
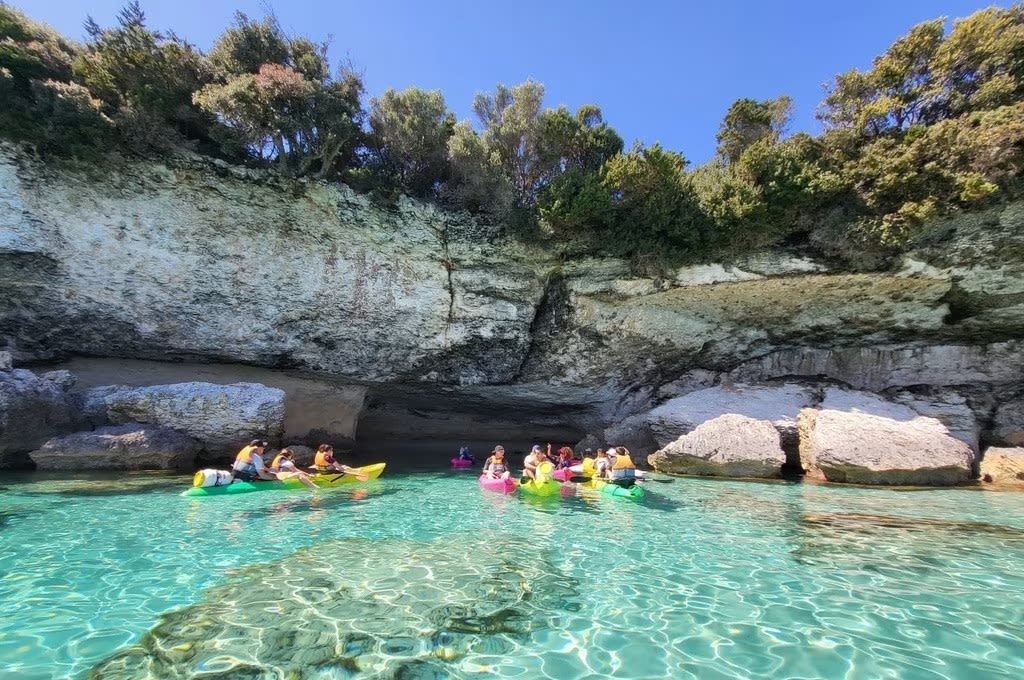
[1008, 425]
[727, 446]
[119, 447]
[861, 439]
[219, 416]
[1003, 465]
[32, 409]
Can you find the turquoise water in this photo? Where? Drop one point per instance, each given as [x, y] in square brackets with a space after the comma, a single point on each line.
[425, 576]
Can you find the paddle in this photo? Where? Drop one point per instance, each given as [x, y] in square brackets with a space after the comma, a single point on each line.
[361, 475]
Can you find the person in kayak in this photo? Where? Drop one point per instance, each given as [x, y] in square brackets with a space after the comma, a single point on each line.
[623, 470]
[249, 466]
[464, 454]
[283, 467]
[494, 466]
[324, 461]
[565, 460]
[533, 459]
[602, 464]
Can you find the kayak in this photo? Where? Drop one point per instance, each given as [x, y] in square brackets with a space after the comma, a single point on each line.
[326, 480]
[506, 485]
[546, 488]
[634, 492]
[461, 463]
[543, 485]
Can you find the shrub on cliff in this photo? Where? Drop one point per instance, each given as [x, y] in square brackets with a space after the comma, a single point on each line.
[278, 101]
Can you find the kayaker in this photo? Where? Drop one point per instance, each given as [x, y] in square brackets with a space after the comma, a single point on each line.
[623, 469]
[494, 466]
[249, 466]
[602, 464]
[464, 454]
[533, 459]
[324, 461]
[283, 467]
[565, 460]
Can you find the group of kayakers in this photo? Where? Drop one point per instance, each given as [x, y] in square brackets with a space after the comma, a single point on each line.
[614, 463]
[249, 465]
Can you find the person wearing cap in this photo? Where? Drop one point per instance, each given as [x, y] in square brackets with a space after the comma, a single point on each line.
[249, 466]
[494, 466]
[283, 467]
[465, 454]
[533, 459]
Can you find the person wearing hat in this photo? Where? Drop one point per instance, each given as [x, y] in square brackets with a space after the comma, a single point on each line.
[494, 466]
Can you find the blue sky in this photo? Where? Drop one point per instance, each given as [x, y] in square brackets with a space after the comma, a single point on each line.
[660, 70]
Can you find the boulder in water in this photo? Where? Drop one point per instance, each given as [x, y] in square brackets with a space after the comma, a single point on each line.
[119, 447]
[727, 446]
[221, 417]
[32, 409]
[859, 438]
[1003, 465]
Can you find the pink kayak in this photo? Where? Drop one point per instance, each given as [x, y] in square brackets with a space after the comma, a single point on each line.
[506, 485]
[461, 463]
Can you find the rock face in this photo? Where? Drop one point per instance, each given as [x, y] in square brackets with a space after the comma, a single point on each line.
[1008, 425]
[728, 446]
[1003, 466]
[861, 439]
[219, 416]
[779, 405]
[120, 447]
[32, 409]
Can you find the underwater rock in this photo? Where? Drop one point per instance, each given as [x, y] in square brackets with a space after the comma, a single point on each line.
[119, 447]
[727, 446]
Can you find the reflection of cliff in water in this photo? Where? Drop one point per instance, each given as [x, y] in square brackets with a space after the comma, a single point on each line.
[423, 426]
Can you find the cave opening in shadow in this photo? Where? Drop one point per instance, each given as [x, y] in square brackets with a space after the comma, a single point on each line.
[422, 427]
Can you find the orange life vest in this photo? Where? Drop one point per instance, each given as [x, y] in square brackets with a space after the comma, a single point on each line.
[277, 461]
[623, 462]
[323, 460]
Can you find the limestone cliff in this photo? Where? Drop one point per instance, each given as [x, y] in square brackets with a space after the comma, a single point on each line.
[196, 260]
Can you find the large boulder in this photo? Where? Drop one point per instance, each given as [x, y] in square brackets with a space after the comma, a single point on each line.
[119, 447]
[32, 409]
[221, 417]
[859, 438]
[1008, 424]
[950, 408]
[1003, 465]
[778, 404]
[728, 446]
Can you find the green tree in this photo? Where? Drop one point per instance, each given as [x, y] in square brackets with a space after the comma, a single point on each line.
[749, 121]
[145, 80]
[277, 100]
[408, 140]
[478, 183]
[896, 93]
[980, 65]
[511, 124]
[656, 214]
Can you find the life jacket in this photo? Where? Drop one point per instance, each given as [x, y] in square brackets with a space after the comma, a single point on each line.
[244, 463]
[277, 461]
[623, 462]
[323, 460]
[494, 466]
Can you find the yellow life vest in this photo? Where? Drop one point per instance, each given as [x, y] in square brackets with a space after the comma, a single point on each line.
[277, 461]
[245, 455]
[321, 461]
[623, 462]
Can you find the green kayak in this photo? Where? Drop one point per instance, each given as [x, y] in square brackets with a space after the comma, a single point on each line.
[322, 480]
[634, 492]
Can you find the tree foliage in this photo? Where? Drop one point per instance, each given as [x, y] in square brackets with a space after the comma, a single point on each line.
[749, 121]
[408, 140]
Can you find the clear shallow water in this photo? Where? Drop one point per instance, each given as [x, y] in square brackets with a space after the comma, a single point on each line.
[424, 576]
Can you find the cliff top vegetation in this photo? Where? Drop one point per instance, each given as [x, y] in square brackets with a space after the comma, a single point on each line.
[935, 126]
